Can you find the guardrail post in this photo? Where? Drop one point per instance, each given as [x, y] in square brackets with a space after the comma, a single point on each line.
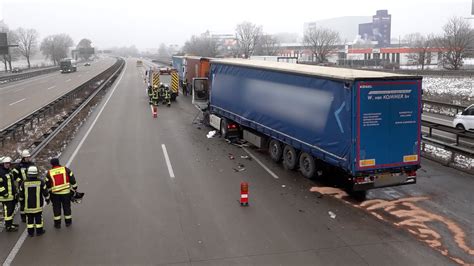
[457, 139]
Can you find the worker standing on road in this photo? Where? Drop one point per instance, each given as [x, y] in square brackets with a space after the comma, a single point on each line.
[8, 194]
[167, 95]
[60, 181]
[20, 173]
[150, 93]
[155, 96]
[34, 192]
[185, 89]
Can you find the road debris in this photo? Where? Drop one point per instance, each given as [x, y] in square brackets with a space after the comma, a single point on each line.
[238, 170]
[211, 134]
[283, 186]
[332, 215]
[231, 156]
[246, 157]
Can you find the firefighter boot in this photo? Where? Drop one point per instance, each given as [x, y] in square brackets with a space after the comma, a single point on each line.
[40, 231]
[57, 224]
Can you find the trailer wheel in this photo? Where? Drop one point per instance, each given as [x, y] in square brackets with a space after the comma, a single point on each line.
[289, 157]
[275, 150]
[307, 165]
[224, 128]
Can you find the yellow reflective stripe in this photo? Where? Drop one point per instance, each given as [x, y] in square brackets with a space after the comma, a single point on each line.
[67, 216]
[2, 189]
[62, 192]
[57, 218]
[61, 187]
[30, 226]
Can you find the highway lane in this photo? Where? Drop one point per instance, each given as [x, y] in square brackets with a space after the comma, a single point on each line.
[21, 98]
[445, 136]
[138, 210]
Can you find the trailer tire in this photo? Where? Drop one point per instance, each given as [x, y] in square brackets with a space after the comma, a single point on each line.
[275, 150]
[290, 157]
[224, 131]
[307, 165]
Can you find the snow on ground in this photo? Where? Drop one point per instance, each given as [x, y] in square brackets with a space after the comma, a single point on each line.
[456, 86]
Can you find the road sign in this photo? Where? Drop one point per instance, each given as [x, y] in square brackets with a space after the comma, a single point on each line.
[3, 43]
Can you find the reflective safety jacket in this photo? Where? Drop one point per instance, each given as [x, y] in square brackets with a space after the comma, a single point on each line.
[7, 186]
[60, 180]
[34, 192]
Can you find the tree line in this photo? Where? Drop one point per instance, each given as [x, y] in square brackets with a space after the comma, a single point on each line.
[455, 43]
[54, 47]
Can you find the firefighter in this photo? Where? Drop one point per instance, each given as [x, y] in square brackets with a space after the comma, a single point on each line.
[33, 192]
[155, 96]
[185, 89]
[150, 94]
[61, 184]
[8, 194]
[166, 95]
[20, 176]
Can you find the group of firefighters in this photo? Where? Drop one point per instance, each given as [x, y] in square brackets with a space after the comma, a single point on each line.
[161, 94]
[23, 184]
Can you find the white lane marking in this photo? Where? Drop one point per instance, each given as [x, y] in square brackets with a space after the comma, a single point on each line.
[8, 261]
[168, 162]
[261, 164]
[95, 120]
[27, 81]
[21, 240]
[68, 80]
[19, 101]
[52, 87]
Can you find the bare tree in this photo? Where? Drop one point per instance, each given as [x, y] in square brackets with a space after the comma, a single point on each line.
[268, 45]
[248, 36]
[56, 47]
[203, 45]
[85, 49]
[163, 50]
[422, 46]
[321, 42]
[456, 40]
[27, 43]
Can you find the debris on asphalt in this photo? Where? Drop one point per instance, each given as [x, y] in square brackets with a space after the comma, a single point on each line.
[301, 210]
[283, 186]
[240, 165]
[211, 134]
[332, 215]
[231, 156]
[246, 157]
[238, 170]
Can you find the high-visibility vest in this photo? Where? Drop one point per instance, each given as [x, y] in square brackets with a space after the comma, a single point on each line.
[60, 180]
[9, 188]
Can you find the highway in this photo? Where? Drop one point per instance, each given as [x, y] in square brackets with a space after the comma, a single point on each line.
[19, 99]
[159, 192]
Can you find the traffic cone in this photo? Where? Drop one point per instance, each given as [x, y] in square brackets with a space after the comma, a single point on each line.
[154, 110]
[244, 194]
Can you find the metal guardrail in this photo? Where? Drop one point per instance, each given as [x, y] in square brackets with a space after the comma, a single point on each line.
[447, 105]
[116, 68]
[460, 133]
[49, 108]
[29, 74]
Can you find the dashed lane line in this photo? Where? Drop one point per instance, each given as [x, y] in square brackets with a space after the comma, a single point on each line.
[260, 163]
[19, 101]
[168, 162]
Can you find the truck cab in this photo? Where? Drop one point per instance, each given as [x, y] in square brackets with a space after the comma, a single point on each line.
[67, 65]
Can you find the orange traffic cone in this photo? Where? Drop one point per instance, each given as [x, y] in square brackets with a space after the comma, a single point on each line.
[154, 111]
[244, 194]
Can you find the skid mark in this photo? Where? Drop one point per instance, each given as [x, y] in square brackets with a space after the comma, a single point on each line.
[404, 213]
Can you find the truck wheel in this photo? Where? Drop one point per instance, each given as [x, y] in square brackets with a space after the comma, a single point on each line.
[307, 165]
[275, 150]
[224, 128]
[289, 157]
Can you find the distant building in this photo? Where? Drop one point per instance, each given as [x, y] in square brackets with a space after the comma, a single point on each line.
[225, 43]
[378, 30]
[345, 26]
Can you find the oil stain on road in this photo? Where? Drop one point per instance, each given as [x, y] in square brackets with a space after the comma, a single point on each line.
[407, 213]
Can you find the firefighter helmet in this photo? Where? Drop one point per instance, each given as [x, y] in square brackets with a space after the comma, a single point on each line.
[32, 171]
[7, 159]
[25, 153]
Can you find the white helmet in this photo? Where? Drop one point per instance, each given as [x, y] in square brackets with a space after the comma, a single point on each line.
[7, 159]
[25, 153]
[32, 170]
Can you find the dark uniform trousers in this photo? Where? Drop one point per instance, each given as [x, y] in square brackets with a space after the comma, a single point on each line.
[61, 202]
[8, 209]
[33, 219]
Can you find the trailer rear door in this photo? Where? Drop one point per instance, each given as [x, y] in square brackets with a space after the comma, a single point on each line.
[388, 124]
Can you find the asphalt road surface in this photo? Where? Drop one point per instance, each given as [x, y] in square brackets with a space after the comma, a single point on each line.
[18, 99]
[159, 192]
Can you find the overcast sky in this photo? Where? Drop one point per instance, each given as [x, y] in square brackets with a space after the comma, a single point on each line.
[148, 23]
